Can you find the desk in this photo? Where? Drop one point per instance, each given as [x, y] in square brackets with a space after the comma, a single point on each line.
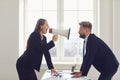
[65, 75]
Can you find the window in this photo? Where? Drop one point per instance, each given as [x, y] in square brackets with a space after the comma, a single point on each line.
[60, 14]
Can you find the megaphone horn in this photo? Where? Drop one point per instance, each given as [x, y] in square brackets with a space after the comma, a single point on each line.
[65, 33]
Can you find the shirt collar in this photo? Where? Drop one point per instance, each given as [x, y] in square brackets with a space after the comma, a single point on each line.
[86, 38]
[41, 37]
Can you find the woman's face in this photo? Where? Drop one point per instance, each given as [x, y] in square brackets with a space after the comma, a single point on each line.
[44, 28]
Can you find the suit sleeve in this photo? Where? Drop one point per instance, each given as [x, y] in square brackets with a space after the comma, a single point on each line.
[48, 45]
[88, 59]
[48, 60]
[47, 53]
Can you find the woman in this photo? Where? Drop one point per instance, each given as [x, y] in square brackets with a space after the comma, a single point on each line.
[37, 46]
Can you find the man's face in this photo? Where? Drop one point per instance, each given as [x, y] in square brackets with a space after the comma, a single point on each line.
[82, 32]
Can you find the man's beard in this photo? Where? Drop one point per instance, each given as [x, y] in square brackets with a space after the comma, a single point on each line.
[82, 36]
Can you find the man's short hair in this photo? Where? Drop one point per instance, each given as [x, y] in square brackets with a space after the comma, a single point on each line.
[86, 24]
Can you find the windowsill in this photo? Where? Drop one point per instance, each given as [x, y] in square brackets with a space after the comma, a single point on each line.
[62, 65]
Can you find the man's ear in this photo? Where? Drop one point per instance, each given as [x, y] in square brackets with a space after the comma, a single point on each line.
[87, 30]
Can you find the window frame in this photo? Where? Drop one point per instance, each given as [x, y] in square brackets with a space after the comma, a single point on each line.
[60, 25]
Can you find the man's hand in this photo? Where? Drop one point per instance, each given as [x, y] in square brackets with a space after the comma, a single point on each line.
[76, 74]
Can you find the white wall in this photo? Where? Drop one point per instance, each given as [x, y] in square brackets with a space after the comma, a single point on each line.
[110, 26]
[106, 21]
[8, 39]
[116, 38]
[116, 34]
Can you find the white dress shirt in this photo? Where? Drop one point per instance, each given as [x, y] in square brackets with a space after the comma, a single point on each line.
[84, 45]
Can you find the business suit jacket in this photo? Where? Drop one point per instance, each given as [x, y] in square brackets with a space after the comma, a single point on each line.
[32, 57]
[99, 55]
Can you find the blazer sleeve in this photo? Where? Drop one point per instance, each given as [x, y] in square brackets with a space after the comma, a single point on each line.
[88, 59]
[48, 59]
[47, 53]
[48, 45]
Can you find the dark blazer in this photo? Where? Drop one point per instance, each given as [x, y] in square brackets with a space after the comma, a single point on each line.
[99, 55]
[32, 57]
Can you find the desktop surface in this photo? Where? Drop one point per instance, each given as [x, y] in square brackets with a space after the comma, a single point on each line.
[62, 75]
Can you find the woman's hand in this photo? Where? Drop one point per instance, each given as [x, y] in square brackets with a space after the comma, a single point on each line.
[54, 72]
[55, 38]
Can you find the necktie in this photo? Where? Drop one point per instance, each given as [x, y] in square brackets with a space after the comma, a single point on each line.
[84, 47]
[41, 37]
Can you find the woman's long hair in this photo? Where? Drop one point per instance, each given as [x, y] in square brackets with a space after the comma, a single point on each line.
[37, 29]
[40, 22]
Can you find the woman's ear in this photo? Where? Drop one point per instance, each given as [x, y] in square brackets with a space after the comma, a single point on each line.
[41, 27]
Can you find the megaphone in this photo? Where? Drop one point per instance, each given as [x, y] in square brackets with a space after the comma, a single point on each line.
[65, 33]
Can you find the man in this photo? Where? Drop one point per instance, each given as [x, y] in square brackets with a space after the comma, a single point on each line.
[96, 53]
